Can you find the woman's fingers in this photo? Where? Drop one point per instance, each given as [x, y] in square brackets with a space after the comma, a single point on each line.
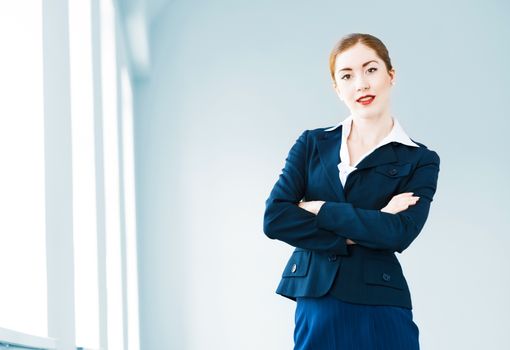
[404, 194]
[306, 206]
[400, 202]
[405, 201]
[311, 206]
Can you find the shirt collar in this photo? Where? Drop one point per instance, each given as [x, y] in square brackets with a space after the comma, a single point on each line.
[397, 133]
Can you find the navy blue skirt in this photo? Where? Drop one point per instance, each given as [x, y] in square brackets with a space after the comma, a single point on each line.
[328, 323]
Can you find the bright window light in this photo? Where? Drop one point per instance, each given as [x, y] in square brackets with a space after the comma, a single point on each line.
[84, 176]
[114, 298]
[23, 293]
[129, 212]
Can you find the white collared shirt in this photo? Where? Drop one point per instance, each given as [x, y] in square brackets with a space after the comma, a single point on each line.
[397, 134]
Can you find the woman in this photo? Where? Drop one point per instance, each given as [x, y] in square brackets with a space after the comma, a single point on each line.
[348, 198]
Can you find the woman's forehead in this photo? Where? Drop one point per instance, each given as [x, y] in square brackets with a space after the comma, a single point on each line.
[356, 56]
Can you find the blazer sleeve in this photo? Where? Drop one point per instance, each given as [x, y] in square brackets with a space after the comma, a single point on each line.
[380, 230]
[285, 220]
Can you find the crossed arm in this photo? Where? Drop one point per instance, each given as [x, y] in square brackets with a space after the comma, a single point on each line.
[330, 226]
[398, 203]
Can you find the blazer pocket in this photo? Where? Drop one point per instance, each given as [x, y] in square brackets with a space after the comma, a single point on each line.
[394, 170]
[383, 273]
[298, 264]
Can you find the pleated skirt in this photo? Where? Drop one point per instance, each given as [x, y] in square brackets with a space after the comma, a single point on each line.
[328, 323]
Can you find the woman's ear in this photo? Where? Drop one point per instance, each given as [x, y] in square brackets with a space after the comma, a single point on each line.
[391, 72]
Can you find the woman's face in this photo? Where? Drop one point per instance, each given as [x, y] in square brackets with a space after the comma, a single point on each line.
[359, 72]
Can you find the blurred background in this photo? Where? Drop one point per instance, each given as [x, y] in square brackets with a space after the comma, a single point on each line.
[139, 140]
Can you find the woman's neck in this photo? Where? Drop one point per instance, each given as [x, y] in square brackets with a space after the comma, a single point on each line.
[370, 131]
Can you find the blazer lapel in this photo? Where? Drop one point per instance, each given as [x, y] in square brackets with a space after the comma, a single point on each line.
[382, 155]
[328, 146]
[329, 153]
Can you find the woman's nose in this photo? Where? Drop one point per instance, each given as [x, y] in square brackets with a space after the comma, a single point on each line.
[361, 84]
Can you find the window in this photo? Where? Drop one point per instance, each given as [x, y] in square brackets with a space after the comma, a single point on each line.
[22, 183]
[41, 238]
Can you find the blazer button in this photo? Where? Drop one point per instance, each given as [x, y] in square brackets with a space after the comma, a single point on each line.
[332, 257]
[386, 277]
[294, 268]
[393, 172]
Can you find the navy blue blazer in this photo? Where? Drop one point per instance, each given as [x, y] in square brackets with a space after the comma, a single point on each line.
[367, 272]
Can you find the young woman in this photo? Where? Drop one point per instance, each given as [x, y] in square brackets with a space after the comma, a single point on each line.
[349, 197]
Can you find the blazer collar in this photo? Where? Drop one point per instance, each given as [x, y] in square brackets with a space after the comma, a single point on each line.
[397, 133]
[329, 144]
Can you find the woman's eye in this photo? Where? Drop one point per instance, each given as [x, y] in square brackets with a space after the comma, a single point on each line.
[347, 75]
[374, 69]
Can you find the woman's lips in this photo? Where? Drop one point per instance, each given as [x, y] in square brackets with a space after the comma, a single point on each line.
[366, 100]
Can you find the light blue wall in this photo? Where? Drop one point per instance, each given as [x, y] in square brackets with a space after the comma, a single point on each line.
[232, 86]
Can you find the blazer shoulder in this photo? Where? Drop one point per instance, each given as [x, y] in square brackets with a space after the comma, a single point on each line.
[307, 134]
[319, 132]
[425, 153]
[419, 144]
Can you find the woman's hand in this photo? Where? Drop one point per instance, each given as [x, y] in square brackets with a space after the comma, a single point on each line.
[400, 202]
[314, 207]
[311, 206]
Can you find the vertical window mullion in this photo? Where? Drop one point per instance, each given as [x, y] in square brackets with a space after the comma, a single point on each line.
[84, 181]
[58, 174]
[110, 139]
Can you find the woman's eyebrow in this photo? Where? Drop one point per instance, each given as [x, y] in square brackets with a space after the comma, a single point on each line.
[364, 64]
